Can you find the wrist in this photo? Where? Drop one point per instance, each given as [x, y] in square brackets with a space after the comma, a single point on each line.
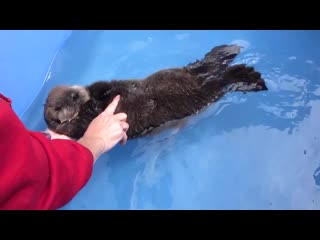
[96, 145]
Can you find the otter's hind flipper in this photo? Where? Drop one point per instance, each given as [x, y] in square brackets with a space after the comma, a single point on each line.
[243, 78]
[214, 63]
[236, 78]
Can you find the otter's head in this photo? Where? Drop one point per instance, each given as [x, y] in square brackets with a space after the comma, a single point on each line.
[63, 105]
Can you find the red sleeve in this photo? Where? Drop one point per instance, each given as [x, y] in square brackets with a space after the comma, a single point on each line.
[35, 172]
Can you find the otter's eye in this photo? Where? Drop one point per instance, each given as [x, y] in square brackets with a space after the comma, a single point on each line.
[106, 93]
[57, 108]
[74, 96]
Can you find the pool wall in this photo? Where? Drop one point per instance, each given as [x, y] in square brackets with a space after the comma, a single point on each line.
[25, 57]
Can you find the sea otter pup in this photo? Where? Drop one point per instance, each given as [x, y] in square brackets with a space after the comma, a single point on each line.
[165, 95]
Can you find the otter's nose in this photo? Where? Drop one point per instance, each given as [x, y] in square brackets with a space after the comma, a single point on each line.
[74, 96]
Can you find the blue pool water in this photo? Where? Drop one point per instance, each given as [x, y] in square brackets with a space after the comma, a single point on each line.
[247, 151]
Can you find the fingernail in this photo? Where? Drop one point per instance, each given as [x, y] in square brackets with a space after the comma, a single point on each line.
[117, 97]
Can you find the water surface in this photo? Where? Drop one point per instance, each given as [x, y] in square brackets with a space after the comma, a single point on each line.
[247, 151]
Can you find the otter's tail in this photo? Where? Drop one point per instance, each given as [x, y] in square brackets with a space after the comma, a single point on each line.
[216, 76]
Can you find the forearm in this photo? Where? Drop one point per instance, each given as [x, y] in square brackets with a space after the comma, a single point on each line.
[94, 144]
[54, 171]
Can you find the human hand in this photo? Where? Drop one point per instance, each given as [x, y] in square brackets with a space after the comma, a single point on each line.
[106, 130]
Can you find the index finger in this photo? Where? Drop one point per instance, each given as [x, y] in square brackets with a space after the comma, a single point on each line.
[112, 106]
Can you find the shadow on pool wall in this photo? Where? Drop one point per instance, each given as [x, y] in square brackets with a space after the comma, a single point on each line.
[248, 151]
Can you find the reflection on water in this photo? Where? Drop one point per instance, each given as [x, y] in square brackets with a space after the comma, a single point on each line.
[248, 151]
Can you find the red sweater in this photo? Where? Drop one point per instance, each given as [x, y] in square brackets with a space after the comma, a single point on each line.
[35, 172]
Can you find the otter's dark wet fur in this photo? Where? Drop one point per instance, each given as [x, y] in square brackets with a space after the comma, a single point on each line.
[165, 95]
